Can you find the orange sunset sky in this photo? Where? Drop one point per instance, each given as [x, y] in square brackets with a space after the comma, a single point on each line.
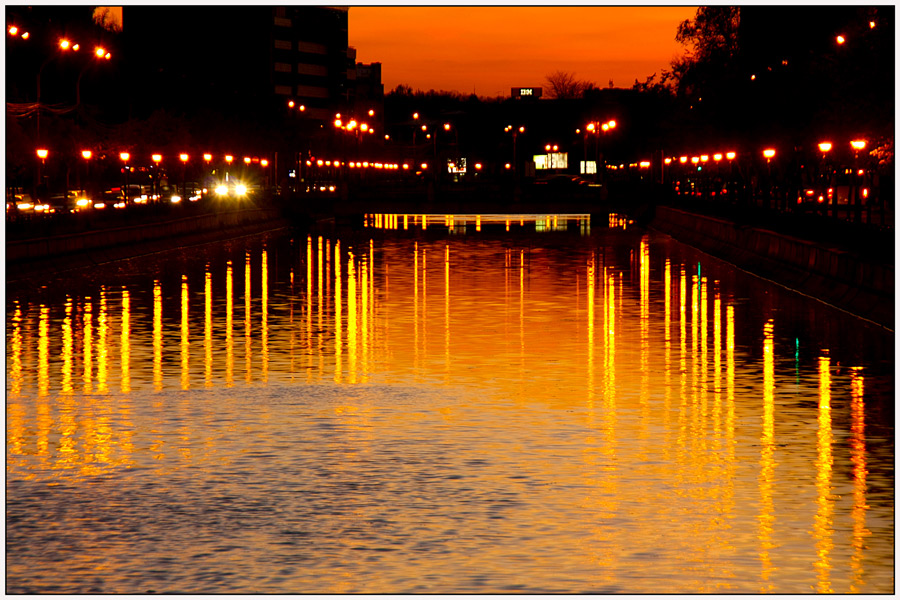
[489, 50]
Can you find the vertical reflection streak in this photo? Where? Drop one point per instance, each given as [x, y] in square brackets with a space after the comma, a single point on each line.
[682, 308]
[352, 313]
[645, 332]
[767, 459]
[264, 326]
[207, 327]
[125, 344]
[338, 306]
[823, 524]
[696, 437]
[416, 308]
[15, 372]
[667, 328]
[858, 460]
[729, 381]
[717, 367]
[87, 341]
[44, 351]
[309, 308]
[590, 330]
[229, 324]
[704, 359]
[447, 311]
[185, 337]
[102, 346]
[157, 336]
[248, 337]
[364, 316]
[68, 344]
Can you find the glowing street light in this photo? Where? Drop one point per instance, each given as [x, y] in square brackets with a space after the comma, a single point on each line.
[841, 39]
[42, 153]
[730, 155]
[13, 30]
[825, 146]
[371, 112]
[86, 154]
[290, 104]
[858, 144]
[183, 157]
[100, 52]
[769, 153]
[64, 44]
[246, 160]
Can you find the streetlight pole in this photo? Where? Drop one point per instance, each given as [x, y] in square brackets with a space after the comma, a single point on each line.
[184, 159]
[124, 156]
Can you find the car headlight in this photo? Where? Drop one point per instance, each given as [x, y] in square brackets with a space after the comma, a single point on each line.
[221, 190]
[240, 189]
[176, 199]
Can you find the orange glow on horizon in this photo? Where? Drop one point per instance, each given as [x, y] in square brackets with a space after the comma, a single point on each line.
[524, 44]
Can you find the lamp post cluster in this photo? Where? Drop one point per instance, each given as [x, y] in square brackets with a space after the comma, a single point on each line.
[595, 128]
[816, 189]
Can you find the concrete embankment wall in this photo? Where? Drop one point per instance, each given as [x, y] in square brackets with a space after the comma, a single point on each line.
[832, 275]
[103, 245]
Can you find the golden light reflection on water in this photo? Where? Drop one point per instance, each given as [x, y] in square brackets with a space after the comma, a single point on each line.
[229, 325]
[858, 459]
[157, 336]
[185, 336]
[207, 328]
[767, 460]
[823, 524]
[125, 344]
[699, 425]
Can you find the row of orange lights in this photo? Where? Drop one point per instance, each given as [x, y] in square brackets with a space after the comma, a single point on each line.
[43, 153]
[360, 164]
[716, 157]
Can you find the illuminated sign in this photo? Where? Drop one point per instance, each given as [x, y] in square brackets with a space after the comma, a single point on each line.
[553, 160]
[530, 92]
[457, 166]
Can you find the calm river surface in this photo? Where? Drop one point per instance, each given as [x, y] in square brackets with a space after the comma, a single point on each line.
[541, 405]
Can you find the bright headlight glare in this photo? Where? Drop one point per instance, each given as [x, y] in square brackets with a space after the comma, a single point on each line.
[240, 189]
[222, 190]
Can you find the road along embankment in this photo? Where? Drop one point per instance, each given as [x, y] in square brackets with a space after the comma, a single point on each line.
[65, 252]
[839, 277]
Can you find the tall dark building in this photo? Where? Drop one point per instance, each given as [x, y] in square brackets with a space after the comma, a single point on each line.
[241, 60]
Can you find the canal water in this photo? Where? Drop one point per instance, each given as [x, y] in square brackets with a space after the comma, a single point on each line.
[452, 404]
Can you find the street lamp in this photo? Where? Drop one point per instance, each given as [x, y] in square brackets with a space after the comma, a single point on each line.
[184, 158]
[124, 156]
[86, 155]
[157, 158]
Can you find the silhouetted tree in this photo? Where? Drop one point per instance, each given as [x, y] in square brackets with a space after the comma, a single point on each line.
[563, 86]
